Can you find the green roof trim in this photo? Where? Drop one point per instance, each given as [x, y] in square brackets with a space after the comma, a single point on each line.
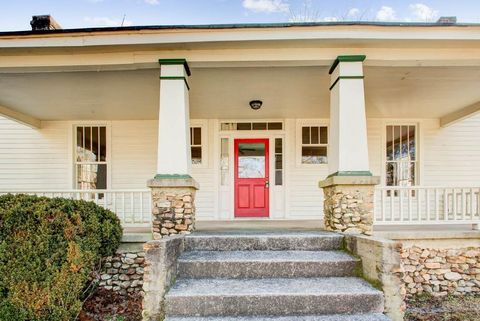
[351, 173]
[353, 58]
[176, 61]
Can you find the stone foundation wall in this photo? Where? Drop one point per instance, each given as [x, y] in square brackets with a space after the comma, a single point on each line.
[123, 272]
[440, 271]
[173, 211]
[349, 209]
[381, 266]
[160, 272]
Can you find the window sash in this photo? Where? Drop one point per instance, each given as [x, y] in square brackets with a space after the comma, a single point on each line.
[311, 137]
[401, 156]
[91, 152]
[196, 133]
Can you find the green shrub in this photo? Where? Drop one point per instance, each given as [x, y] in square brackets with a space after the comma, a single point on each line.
[48, 250]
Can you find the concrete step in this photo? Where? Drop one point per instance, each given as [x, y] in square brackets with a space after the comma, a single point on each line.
[264, 241]
[266, 264]
[272, 297]
[337, 317]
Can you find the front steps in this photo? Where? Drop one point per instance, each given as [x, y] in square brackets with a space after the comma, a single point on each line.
[270, 276]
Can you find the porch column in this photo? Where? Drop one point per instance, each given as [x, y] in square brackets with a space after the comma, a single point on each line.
[349, 188]
[173, 189]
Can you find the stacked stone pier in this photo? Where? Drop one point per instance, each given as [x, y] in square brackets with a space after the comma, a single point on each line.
[277, 275]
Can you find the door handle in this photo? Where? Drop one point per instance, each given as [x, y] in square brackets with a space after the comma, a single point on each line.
[267, 184]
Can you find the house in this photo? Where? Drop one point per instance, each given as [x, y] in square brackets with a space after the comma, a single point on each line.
[351, 126]
[257, 114]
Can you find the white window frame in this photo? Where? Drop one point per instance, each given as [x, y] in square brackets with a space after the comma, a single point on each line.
[418, 142]
[299, 144]
[73, 149]
[203, 125]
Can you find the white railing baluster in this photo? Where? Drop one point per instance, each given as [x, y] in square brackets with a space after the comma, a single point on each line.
[461, 205]
[141, 207]
[132, 204]
[392, 205]
[445, 204]
[472, 194]
[427, 199]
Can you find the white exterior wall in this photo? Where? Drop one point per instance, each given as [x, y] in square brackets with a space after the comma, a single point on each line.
[42, 159]
[35, 159]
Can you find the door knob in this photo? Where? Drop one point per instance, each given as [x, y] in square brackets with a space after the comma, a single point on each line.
[267, 184]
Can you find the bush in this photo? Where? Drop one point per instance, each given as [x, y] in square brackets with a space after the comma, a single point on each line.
[48, 250]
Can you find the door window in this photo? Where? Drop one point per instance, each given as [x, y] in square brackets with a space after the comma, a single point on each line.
[251, 160]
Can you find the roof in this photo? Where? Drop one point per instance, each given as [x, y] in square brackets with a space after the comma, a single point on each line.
[237, 26]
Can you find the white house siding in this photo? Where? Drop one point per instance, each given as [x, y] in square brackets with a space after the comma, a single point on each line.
[34, 159]
[304, 197]
[133, 153]
[452, 155]
[42, 159]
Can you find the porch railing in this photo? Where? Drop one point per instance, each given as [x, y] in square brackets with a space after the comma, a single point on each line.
[132, 206]
[427, 205]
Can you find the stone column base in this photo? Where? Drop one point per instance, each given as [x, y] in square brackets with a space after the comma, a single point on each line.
[173, 209]
[349, 203]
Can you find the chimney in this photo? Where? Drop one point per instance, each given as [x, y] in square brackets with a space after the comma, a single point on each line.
[44, 22]
[447, 20]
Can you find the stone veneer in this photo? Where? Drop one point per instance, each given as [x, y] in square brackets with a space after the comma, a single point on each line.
[440, 271]
[349, 203]
[123, 272]
[173, 210]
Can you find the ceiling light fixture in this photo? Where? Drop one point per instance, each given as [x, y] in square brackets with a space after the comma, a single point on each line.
[256, 104]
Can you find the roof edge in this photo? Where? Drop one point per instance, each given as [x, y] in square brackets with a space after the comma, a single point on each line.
[233, 26]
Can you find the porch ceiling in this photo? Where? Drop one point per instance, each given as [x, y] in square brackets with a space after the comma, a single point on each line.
[287, 92]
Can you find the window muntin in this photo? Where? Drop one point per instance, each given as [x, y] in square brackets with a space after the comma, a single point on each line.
[401, 155]
[196, 145]
[91, 157]
[314, 144]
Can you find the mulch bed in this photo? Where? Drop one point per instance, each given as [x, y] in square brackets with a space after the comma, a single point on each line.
[450, 308]
[106, 305]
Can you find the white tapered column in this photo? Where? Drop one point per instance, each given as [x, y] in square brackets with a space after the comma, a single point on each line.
[174, 119]
[348, 123]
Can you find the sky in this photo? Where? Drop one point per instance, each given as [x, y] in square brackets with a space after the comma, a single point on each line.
[16, 14]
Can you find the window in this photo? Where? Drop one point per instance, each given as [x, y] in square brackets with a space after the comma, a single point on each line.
[91, 157]
[196, 144]
[314, 144]
[252, 126]
[401, 155]
[278, 161]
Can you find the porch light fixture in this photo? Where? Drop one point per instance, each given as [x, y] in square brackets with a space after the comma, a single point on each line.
[256, 104]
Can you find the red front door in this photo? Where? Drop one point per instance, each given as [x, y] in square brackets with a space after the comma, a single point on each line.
[251, 178]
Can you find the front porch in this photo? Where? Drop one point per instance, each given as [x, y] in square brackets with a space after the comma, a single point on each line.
[407, 125]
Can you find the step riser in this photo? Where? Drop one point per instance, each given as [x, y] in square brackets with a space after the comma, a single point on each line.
[266, 269]
[273, 305]
[263, 243]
